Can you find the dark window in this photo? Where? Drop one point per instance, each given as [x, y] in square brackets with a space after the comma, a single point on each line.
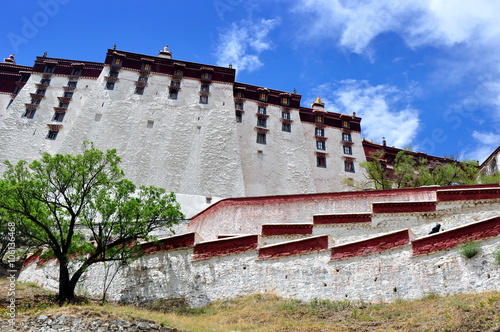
[261, 138]
[347, 149]
[113, 73]
[110, 85]
[262, 122]
[178, 72]
[349, 166]
[319, 132]
[49, 69]
[206, 76]
[205, 88]
[176, 84]
[139, 90]
[286, 127]
[52, 134]
[72, 84]
[173, 94]
[143, 78]
[321, 162]
[285, 115]
[76, 72]
[320, 145]
[146, 67]
[24, 78]
[239, 117]
[68, 94]
[40, 92]
[346, 137]
[58, 117]
[239, 106]
[261, 110]
[35, 101]
[203, 99]
[29, 114]
[66, 105]
[45, 81]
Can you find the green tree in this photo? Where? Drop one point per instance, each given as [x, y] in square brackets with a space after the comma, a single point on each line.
[410, 171]
[59, 197]
[376, 171]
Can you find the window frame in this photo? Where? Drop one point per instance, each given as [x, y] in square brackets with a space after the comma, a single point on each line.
[347, 149]
[349, 166]
[204, 99]
[261, 122]
[348, 136]
[173, 93]
[261, 138]
[139, 90]
[29, 114]
[321, 145]
[52, 134]
[58, 117]
[320, 162]
[239, 116]
[320, 132]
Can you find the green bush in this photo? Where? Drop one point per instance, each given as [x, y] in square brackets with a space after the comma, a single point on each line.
[496, 254]
[470, 249]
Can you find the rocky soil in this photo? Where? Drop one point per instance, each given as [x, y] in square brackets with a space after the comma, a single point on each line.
[82, 323]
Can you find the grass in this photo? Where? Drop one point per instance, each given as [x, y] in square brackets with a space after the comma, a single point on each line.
[470, 249]
[496, 255]
[464, 312]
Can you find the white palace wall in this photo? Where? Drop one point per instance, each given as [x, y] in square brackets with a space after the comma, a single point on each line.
[386, 276]
[391, 257]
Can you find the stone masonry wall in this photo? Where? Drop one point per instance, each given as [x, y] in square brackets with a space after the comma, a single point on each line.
[384, 276]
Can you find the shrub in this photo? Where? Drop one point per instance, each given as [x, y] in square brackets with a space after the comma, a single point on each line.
[470, 249]
[496, 254]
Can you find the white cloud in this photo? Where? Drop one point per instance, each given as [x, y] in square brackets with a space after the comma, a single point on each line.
[485, 144]
[242, 44]
[384, 109]
[354, 24]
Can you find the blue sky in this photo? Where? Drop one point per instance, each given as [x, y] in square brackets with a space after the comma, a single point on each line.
[424, 73]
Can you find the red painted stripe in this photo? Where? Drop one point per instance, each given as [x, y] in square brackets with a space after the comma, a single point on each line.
[366, 247]
[467, 194]
[295, 247]
[342, 218]
[449, 239]
[286, 229]
[228, 246]
[402, 207]
[174, 242]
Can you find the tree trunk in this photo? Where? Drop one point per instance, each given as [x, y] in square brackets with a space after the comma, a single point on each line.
[66, 286]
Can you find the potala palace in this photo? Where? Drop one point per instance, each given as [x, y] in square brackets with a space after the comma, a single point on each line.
[260, 178]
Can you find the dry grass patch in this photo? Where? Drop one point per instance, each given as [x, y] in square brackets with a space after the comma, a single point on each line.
[465, 312]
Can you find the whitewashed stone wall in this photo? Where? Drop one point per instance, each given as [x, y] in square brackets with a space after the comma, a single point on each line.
[180, 145]
[386, 276]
